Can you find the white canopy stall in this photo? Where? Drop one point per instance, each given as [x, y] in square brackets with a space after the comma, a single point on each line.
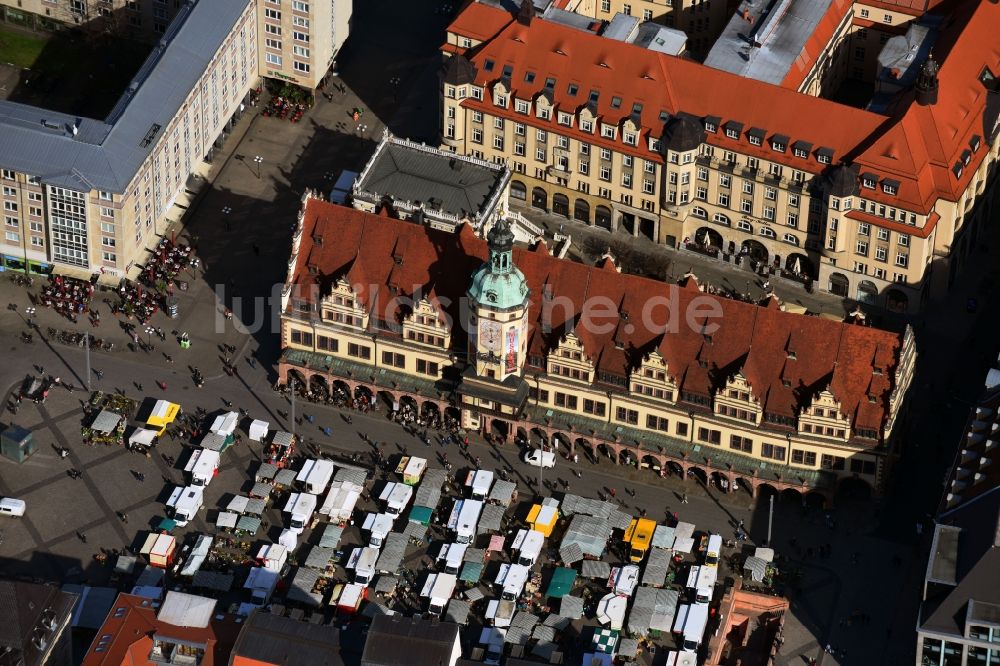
[258, 430]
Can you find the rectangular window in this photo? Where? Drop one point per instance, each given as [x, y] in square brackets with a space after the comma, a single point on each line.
[594, 407]
[625, 415]
[801, 457]
[326, 343]
[393, 359]
[427, 367]
[709, 436]
[738, 443]
[772, 451]
[832, 462]
[359, 351]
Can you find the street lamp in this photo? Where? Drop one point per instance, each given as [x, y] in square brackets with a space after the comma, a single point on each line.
[86, 346]
[257, 160]
[149, 335]
[291, 383]
[226, 210]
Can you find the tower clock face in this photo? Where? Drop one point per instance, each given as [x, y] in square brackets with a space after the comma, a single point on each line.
[489, 333]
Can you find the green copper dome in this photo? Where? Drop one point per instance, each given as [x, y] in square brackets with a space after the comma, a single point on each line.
[498, 283]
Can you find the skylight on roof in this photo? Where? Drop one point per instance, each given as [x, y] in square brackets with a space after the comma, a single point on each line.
[529, 77]
[488, 65]
[550, 83]
[508, 70]
[616, 102]
[637, 107]
[595, 95]
[572, 89]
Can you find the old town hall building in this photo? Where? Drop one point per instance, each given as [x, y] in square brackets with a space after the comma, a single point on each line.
[598, 363]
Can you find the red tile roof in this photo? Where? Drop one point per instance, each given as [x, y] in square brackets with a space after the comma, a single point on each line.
[132, 629]
[751, 339]
[919, 147]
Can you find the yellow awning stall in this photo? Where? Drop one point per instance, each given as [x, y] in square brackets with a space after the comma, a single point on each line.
[163, 414]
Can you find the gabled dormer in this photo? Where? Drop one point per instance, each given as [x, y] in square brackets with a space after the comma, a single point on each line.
[427, 324]
[587, 119]
[501, 94]
[824, 417]
[735, 399]
[543, 105]
[652, 379]
[344, 306]
[569, 360]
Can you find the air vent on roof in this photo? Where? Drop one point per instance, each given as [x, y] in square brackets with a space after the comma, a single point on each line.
[317, 239]
[150, 135]
[397, 259]
[791, 355]
[313, 270]
[787, 383]
[872, 398]
[876, 371]
[51, 125]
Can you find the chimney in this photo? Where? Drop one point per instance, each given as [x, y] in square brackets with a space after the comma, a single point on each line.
[927, 82]
[526, 13]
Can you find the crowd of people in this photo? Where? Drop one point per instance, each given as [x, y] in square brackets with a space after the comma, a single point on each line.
[166, 262]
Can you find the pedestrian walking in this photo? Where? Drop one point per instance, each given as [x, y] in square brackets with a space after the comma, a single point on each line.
[99, 373]
[612, 492]
[81, 536]
[124, 517]
[684, 498]
[139, 386]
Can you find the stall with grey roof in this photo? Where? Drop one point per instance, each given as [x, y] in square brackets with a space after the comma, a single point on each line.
[321, 558]
[574, 504]
[303, 587]
[571, 607]
[226, 519]
[663, 537]
[331, 535]
[570, 553]
[285, 478]
[266, 472]
[351, 474]
[595, 569]
[558, 622]
[213, 580]
[502, 492]
[106, 422]
[386, 583]
[458, 611]
[214, 441]
[428, 493]
[653, 609]
[393, 550]
[261, 489]
[589, 532]
[249, 524]
[619, 520]
[416, 531]
[490, 519]
[657, 567]
[374, 608]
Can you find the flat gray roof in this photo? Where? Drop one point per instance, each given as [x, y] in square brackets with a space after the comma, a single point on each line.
[407, 171]
[106, 154]
[942, 566]
[778, 28]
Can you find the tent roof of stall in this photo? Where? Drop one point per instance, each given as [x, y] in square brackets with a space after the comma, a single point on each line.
[227, 519]
[471, 572]
[285, 477]
[605, 640]
[106, 421]
[474, 555]
[258, 429]
[421, 514]
[256, 506]
[502, 491]
[562, 582]
[186, 610]
[202, 547]
[628, 647]
[590, 532]
[491, 518]
[458, 611]
[415, 530]
[571, 607]
[766, 554]
[248, 524]
[392, 552]
[657, 566]
[557, 621]
[238, 504]
[331, 535]
[350, 473]
[474, 594]
[543, 632]
[663, 537]
[142, 436]
[320, 557]
[373, 608]
[266, 471]
[386, 583]
[162, 408]
[595, 569]
[261, 578]
[619, 520]
[684, 544]
[570, 553]
[428, 493]
[213, 441]
[281, 438]
[225, 423]
[301, 587]
[589, 506]
[213, 580]
[261, 489]
[756, 566]
[685, 530]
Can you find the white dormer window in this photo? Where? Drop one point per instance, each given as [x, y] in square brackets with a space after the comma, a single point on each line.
[731, 133]
[888, 189]
[586, 126]
[823, 159]
[799, 152]
[501, 100]
[521, 106]
[544, 113]
[710, 127]
[868, 182]
[654, 145]
[607, 131]
[629, 138]
[477, 93]
[778, 146]
[565, 119]
[754, 140]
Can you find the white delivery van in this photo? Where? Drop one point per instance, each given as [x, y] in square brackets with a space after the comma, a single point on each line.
[491, 638]
[500, 613]
[537, 458]
[694, 627]
[529, 544]
[438, 589]
[363, 561]
[203, 466]
[452, 556]
[397, 497]
[300, 508]
[713, 550]
[378, 526]
[338, 506]
[184, 503]
[681, 618]
[10, 506]
[468, 518]
[512, 578]
[480, 481]
[315, 476]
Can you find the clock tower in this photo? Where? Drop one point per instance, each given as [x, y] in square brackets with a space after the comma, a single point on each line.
[498, 302]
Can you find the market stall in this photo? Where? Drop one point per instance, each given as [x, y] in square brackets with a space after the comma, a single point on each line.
[561, 582]
[142, 439]
[258, 430]
[106, 428]
[611, 610]
[163, 414]
[279, 451]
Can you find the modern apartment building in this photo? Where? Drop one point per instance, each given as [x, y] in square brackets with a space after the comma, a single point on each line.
[137, 19]
[90, 195]
[300, 39]
[746, 160]
[959, 620]
[597, 362]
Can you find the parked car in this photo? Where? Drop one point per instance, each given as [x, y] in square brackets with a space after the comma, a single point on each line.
[539, 458]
